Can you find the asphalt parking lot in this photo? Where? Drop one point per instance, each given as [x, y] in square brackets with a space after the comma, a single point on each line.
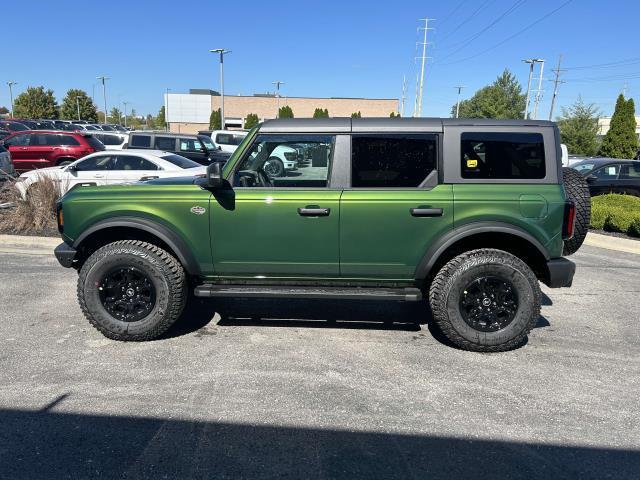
[319, 389]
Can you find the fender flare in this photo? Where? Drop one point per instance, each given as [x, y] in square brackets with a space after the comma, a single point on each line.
[436, 250]
[155, 228]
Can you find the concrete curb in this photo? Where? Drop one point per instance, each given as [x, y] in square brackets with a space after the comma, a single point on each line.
[44, 245]
[612, 243]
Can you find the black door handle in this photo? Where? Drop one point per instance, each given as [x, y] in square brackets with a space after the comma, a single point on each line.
[314, 212]
[426, 212]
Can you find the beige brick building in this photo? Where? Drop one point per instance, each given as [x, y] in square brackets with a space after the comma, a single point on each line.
[189, 113]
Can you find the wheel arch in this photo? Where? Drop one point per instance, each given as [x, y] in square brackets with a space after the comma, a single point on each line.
[131, 228]
[502, 236]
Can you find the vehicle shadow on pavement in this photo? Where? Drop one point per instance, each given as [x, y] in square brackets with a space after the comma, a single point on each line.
[46, 444]
[298, 313]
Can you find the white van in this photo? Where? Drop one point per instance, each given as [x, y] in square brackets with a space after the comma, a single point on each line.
[227, 140]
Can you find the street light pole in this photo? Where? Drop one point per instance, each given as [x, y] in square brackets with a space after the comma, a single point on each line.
[539, 92]
[78, 106]
[11, 84]
[222, 52]
[459, 87]
[104, 94]
[277, 83]
[125, 112]
[166, 111]
[531, 62]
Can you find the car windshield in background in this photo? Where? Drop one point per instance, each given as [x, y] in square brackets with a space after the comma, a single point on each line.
[180, 161]
[15, 126]
[94, 142]
[584, 167]
[207, 142]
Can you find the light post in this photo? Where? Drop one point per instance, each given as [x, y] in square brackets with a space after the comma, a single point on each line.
[11, 84]
[78, 106]
[459, 87]
[104, 94]
[125, 113]
[222, 52]
[277, 83]
[166, 111]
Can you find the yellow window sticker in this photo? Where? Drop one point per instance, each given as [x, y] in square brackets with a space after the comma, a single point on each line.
[472, 163]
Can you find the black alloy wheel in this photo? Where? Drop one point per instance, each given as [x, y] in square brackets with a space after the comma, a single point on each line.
[127, 294]
[489, 304]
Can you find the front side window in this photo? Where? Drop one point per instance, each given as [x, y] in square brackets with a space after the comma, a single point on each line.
[206, 141]
[165, 143]
[100, 162]
[140, 141]
[493, 155]
[295, 161]
[132, 162]
[18, 141]
[392, 161]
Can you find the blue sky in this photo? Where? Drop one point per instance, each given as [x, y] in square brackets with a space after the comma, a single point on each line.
[326, 48]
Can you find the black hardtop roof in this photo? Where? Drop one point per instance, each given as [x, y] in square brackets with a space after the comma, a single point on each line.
[387, 124]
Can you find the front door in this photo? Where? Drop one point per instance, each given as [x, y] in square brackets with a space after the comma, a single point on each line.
[18, 146]
[285, 226]
[90, 171]
[395, 208]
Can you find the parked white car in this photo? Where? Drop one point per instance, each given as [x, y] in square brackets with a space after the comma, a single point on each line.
[111, 167]
[227, 140]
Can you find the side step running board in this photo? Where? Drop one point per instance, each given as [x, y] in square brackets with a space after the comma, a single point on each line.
[347, 293]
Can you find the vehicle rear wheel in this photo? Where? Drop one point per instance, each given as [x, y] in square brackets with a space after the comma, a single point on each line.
[577, 190]
[132, 290]
[485, 300]
[274, 167]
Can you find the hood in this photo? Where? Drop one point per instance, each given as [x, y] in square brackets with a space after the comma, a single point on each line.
[42, 171]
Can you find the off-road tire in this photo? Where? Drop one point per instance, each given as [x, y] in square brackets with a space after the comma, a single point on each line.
[577, 190]
[162, 269]
[450, 282]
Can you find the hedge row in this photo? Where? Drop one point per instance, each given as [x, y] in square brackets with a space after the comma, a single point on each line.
[616, 213]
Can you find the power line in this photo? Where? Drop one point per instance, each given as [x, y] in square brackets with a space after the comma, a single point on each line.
[468, 19]
[619, 63]
[511, 37]
[453, 12]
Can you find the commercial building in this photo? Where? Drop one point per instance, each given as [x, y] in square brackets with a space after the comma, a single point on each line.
[605, 122]
[190, 112]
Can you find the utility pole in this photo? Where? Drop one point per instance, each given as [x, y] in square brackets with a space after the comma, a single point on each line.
[415, 98]
[78, 106]
[11, 84]
[404, 94]
[277, 83]
[459, 87]
[424, 57]
[222, 52]
[556, 82]
[531, 62]
[539, 92]
[624, 89]
[166, 110]
[125, 112]
[104, 94]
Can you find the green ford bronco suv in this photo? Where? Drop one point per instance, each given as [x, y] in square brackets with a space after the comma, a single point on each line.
[470, 214]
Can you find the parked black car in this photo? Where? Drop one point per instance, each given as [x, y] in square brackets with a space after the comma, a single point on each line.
[198, 148]
[12, 126]
[611, 175]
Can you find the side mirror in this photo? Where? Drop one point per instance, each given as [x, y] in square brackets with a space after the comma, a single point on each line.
[591, 178]
[214, 180]
[72, 168]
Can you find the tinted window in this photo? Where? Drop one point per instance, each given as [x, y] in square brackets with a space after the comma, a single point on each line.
[40, 140]
[132, 162]
[630, 172]
[64, 140]
[18, 141]
[15, 126]
[107, 128]
[392, 161]
[166, 143]
[140, 141]
[502, 155]
[94, 142]
[228, 139]
[207, 142]
[111, 139]
[100, 162]
[180, 161]
[609, 172]
[190, 145]
[287, 161]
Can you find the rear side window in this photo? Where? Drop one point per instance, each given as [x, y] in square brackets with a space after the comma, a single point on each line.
[166, 143]
[94, 142]
[494, 155]
[111, 139]
[64, 140]
[140, 141]
[392, 161]
[132, 162]
[630, 172]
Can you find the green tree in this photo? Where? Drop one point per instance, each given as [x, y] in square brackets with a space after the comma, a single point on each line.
[115, 115]
[356, 114]
[150, 121]
[251, 121]
[160, 119]
[36, 102]
[4, 110]
[394, 115]
[621, 140]
[502, 99]
[69, 107]
[285, 112]
[215, 120]
[579, 128]
[321, 113]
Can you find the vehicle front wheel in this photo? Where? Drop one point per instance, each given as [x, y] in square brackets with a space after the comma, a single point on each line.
[485, 300]
[132, 290]
[274, 167]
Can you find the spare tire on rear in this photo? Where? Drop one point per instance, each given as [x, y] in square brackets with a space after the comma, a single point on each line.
[577, 190]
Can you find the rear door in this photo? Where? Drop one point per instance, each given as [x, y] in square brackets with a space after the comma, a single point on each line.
[629, 179]
[395, 207]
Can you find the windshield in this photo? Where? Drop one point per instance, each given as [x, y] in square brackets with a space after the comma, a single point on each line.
[207, 142]
[15, 126]
[180, 161]
[584, 167]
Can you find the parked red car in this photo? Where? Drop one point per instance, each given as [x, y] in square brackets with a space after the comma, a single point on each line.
[47, 148]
